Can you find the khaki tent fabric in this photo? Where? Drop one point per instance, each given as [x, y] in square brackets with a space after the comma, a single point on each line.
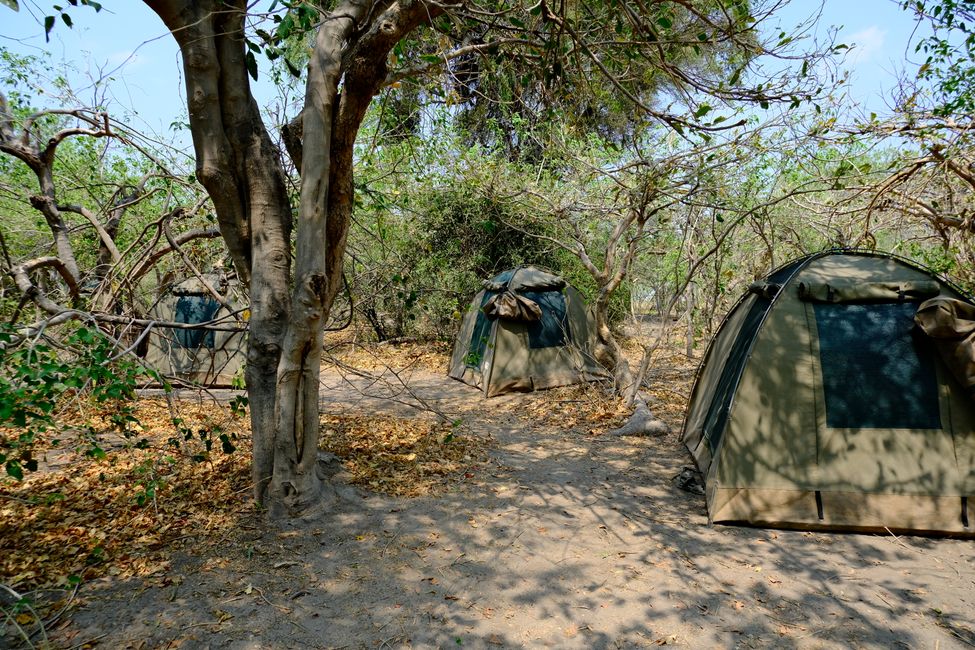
[199, 356]
[525, 278]
[834, 413]
[526, 330]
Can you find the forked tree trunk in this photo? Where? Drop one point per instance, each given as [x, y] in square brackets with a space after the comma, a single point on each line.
[241, 171]
[295, 487]
[330, 122]
[239, 167]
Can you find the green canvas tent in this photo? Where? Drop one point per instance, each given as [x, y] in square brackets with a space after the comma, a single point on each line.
[821, 404]
[200, 356]
[526, 330]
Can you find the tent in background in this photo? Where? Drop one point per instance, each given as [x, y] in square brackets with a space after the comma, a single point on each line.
[819, 404]
[199, 356]
[526, 330]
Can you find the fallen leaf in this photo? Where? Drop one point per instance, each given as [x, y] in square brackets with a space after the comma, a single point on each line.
[285, 564]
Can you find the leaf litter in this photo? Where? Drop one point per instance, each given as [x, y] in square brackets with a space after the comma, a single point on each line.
[122, 513]
[404, 457]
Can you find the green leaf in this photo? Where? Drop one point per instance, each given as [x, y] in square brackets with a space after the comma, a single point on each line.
[10, 3]
[226, 445]
[664, 22]
[14, 470]
[48, 26]
[251, 64]
[67, 20]
[96, 556]
[286, 26]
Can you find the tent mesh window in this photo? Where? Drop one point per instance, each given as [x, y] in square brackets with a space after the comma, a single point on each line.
[875, 374]
[720, 406]
[193, 310]
[479, 338]
[553, 328]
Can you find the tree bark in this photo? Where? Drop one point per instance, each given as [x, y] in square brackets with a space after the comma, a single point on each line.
[243, 175]
[330, 122]
[238, 165]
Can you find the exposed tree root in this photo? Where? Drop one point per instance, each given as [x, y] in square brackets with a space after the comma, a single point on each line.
[641, 422]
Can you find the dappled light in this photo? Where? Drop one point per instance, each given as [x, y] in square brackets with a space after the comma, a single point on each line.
[538, 529]
[232, 318]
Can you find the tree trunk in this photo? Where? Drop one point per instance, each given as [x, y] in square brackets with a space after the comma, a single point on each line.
[242, 173]
[610, 355]
[296, 487]
[330, 122]
[239, 167]
[608, 352]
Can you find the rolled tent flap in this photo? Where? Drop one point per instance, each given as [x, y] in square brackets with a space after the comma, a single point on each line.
[765, 289]
[511, 306]
[839, 291]
[951, 324]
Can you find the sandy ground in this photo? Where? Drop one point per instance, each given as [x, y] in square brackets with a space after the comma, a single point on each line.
[559, 539]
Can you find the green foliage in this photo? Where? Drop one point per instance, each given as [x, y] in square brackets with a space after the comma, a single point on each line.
[943, 260]
[205, 437]
[35, 378]
[61, 11]
[98, 174]
[949, 63]
[593, 68]
[433, 262]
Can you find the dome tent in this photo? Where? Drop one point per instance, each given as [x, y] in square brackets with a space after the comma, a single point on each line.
[526, 330]
[819, 404]
[200, 356]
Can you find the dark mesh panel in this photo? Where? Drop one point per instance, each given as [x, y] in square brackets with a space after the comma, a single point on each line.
[193, 310]
[720, 406]
[504, 277]
[875, 373]
[717, 418]
[552, 330]
[779, 276]
[479, 338]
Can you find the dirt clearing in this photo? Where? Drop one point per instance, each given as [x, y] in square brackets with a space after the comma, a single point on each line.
[536, 530]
